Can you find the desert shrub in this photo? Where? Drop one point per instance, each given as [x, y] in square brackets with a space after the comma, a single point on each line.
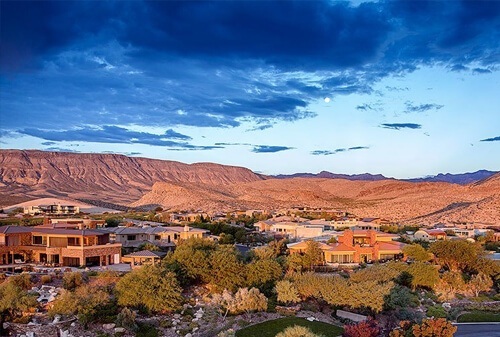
[367, 328]
[297, 331]
[436, 311]
[73, 280]
[46, 279]
[146, 330]
[287, 292]
[126, 319]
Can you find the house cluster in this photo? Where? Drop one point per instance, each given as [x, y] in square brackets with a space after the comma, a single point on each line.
[61, 244]
[52, 209]
[76, 242]
[294, 227]
[357, 246]
[450, 233]
[164, 237]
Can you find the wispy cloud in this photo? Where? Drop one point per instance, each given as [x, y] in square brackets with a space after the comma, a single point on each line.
[494, 139]
[396, 89]
[59, 149]
[481, 71]
[410, 107]
[270, 148]
[171, 134]
[399, 126]
[113, 134]
[330, 152]
[458, 67]
[375, 106]
[364, 107]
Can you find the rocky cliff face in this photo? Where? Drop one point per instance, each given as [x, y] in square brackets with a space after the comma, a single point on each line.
[109, 177]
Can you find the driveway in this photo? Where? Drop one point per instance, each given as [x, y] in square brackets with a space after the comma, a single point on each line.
[478, 330]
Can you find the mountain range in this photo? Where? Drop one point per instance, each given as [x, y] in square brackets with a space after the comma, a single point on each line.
[107, 179]
[461, 178]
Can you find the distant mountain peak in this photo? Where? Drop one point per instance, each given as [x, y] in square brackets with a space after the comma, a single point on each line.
[460, 178]
[330, 175]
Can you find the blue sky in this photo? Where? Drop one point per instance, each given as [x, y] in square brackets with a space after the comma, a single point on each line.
[405, 89]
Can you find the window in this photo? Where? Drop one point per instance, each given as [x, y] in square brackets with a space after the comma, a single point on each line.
[130, 237]
[39, 240]
[73, 241]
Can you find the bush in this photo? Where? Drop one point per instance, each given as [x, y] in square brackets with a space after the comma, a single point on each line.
[126, 319]
[297, 331]
[73, 280]
[362, 329]
[436, 311]
[479, 316]
[46, 279]
[146, 330]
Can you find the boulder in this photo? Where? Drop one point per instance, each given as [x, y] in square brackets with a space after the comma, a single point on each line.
[108, 326]
[119, 330]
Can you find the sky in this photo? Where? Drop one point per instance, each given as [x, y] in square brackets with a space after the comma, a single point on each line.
[401, 88]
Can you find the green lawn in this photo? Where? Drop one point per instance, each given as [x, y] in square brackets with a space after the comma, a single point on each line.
[271, 328]
[479, 316]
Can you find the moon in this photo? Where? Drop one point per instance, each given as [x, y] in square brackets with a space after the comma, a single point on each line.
[327, 99]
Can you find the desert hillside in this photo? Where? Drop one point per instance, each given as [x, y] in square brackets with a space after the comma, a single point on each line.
[403, 201]
[112, 178]
[115, 179]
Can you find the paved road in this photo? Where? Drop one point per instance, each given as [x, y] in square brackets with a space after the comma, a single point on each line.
[478, 330]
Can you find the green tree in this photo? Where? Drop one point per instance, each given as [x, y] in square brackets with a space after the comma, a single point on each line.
[13, 300]
[451, 284]
[150, 287]
[417, 252]
[22, 281]
[370, 295]
[489, 236]
[478, 283]
[148, 246]
[84, 302]
[399, 298]
[113, 222]
[193, 257]
[279, 247]
[336, 291]
[226, 269]
[297, 331]
[287, 292]
[226, 239]
[456, 255]
[73, 280]
[313, 254]
[263, 272]
[309, 285]
[296, 263]
[423, 275]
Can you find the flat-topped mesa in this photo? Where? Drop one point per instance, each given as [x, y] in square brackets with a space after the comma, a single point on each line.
[117, 177]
